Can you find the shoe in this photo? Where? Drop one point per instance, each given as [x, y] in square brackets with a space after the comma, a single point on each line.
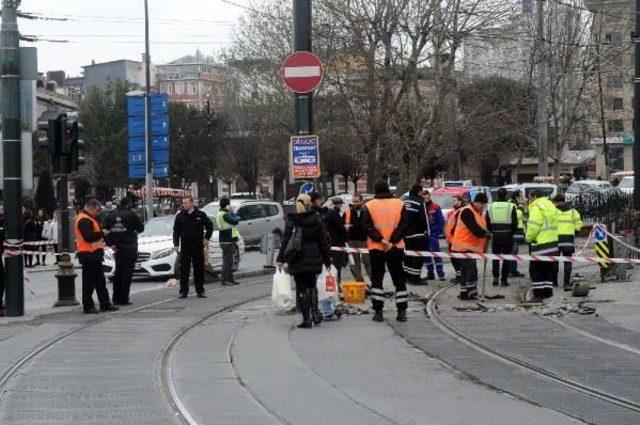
[378, 317]
[402, 316]
[225, 283]
[36, 264]
[517, 274]
[496, 282]
[442, 279]
[306, 324]
[235, 283]
[567, 288]
[431, 277]
[203, 295]
[122, 303]
[505, 284]
[182, 296]
[316, 317]
[472, 298]
[109, 308]
[91, 311]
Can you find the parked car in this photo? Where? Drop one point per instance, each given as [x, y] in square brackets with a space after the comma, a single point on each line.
[257, 218]
[547, 189]
[458, 183]
[586, 187]
[626, 185]
[156, 257]
[444, 196]
[347, 198]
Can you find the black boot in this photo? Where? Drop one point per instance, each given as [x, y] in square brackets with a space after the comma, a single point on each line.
[315, 311]
[378, 317]
[402, 316]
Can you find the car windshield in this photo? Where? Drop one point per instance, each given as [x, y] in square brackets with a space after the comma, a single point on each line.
[211, 209]
[445, 201]
[626, 183]
[162, 226]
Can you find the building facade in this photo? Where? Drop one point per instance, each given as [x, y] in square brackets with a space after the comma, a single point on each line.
[103, 75]
[195, 80]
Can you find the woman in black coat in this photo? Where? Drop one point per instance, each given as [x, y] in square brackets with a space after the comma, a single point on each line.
[306, 267]
[29, 234]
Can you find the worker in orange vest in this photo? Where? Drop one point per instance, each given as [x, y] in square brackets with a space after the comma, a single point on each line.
[385, 223]
[90, 252]
[449, 230]
[470, 236]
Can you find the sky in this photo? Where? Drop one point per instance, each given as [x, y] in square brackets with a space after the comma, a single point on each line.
[114, 29]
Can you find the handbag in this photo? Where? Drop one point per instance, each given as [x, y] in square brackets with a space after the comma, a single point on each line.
[293, 250]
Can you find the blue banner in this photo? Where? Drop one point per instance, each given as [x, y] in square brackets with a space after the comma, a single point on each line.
[159, 105]
[159, 135]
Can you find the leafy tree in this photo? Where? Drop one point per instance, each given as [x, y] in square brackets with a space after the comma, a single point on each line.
[45, 197]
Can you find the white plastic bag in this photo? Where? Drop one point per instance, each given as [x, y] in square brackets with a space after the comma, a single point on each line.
[326, 291]
[281, 293]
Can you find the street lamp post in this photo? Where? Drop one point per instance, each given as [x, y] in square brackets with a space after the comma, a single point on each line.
[147, 113]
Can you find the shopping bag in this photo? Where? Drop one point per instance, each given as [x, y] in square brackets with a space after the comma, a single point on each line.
[281, 293]
[327, 284]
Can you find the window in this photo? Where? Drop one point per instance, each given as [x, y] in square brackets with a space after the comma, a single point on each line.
[179, 88]
[616, 126]
[193, 88]
[614, 58]
[616, 37]
[256, 211]
[615, 81]
[617, 103]
[272, 210]
[170, 88]
[607, 38]
[616, 157]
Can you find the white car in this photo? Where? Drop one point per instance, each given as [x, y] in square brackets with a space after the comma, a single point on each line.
[585, 188]
[156, 257]
[626, 185]
[547, 189]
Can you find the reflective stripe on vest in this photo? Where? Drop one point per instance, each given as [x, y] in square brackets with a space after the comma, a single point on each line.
[463, 239]
[81, 244]
[385, 214]
[223, 225]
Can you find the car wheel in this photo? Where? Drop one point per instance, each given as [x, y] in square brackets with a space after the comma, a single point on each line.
[236, 260]
[277, 239]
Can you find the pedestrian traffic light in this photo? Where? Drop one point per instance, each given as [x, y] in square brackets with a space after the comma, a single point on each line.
[75, 145]
[63, 143]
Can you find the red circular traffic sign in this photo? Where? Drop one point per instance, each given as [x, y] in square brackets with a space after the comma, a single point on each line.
[302, 72]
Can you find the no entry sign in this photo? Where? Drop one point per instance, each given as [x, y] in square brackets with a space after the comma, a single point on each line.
[302, 72]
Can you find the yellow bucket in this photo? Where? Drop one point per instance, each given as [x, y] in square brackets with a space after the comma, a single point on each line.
[353, 292]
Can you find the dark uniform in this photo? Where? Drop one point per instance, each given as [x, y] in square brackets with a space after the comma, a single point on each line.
[124, 226]
[190, 229]
[417, 237]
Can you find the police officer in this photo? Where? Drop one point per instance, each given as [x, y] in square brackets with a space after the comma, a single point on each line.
[227, 223]
[385, 221]
[569, 224]
[417, 238]
[542, 234]
[123, 225]
[192, 231]
[90, 252]
[502, 223]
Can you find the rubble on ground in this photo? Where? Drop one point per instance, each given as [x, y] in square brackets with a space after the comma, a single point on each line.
[558, 309]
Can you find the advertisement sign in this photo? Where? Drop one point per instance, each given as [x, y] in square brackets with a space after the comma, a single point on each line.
[305, 157]
[159, 135]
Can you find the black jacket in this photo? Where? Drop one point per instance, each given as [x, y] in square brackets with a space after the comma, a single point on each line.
[29, 230]
[3, 234]
[85, 226]
[190, 230]
[417, 217]
[398, 234]
[315, 250]
[124, 226]
[356, 232]
[334, 226]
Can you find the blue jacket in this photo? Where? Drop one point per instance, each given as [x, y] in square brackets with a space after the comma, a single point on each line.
[436, 220]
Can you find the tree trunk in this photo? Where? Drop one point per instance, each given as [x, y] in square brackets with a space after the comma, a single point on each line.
[372, 171]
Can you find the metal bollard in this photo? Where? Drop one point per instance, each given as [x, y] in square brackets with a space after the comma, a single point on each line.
[270, 251]
[66, 276]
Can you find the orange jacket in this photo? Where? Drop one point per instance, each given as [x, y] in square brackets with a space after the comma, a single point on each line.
[81, 244]
[463, 239]
[385, 216]
[450, 225]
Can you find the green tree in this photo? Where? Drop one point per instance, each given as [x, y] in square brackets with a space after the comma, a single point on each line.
[45, 197]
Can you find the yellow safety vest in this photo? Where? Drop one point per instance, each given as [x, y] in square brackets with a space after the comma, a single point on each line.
[542, 229]
[569, 223]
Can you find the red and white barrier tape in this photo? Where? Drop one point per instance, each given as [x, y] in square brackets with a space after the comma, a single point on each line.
[508, 257]
[616, 238]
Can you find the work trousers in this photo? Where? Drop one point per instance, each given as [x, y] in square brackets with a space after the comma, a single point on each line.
[305, 288]
[566, 251]
[93, 279]
[501, 248]
[358, 260]
[413, 265]
[228, 252]
[125, 265]
[192, 255]
[468, 278]
[392, 259]
[515, 249]
[434, 246]
[542, 274]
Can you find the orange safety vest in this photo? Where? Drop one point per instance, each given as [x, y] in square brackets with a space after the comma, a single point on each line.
[465, 241]
[452, 217]
[81, 244]
[347, 216]
[385, 214]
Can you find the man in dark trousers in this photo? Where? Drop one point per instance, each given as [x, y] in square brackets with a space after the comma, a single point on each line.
[417, 238]
[334, 226]
[123, 225]
[90, 252]
[502, 223]
[385, 221]
[192, 231]
[227, 223]
[357, 237]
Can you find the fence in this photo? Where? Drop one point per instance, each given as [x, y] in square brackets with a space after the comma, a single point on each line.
[613, 208]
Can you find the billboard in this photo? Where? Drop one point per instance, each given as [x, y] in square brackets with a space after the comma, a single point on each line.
[304, 157]
[159, 135]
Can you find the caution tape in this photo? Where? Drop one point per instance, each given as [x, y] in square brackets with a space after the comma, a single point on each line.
[507, 257]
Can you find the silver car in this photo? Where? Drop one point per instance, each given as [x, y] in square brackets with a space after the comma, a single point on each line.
[257, 218]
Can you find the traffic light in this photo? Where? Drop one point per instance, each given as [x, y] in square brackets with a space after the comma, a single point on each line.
[71, 144]
[63, 143]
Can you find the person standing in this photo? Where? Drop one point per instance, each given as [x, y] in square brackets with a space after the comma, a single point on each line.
[29, 234]
[417, 238]
[502, 223]
[436, 228]
[307, 265]
[192, 230]
[542, 234]
[357, 238]
[569, 225]
[227, 223]
[124, 226]
[449, 230]
[518, 236]
[90, 245]
[334, 226]
[316, 204]
[385, 220]
[40, 220]
[470, 236]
